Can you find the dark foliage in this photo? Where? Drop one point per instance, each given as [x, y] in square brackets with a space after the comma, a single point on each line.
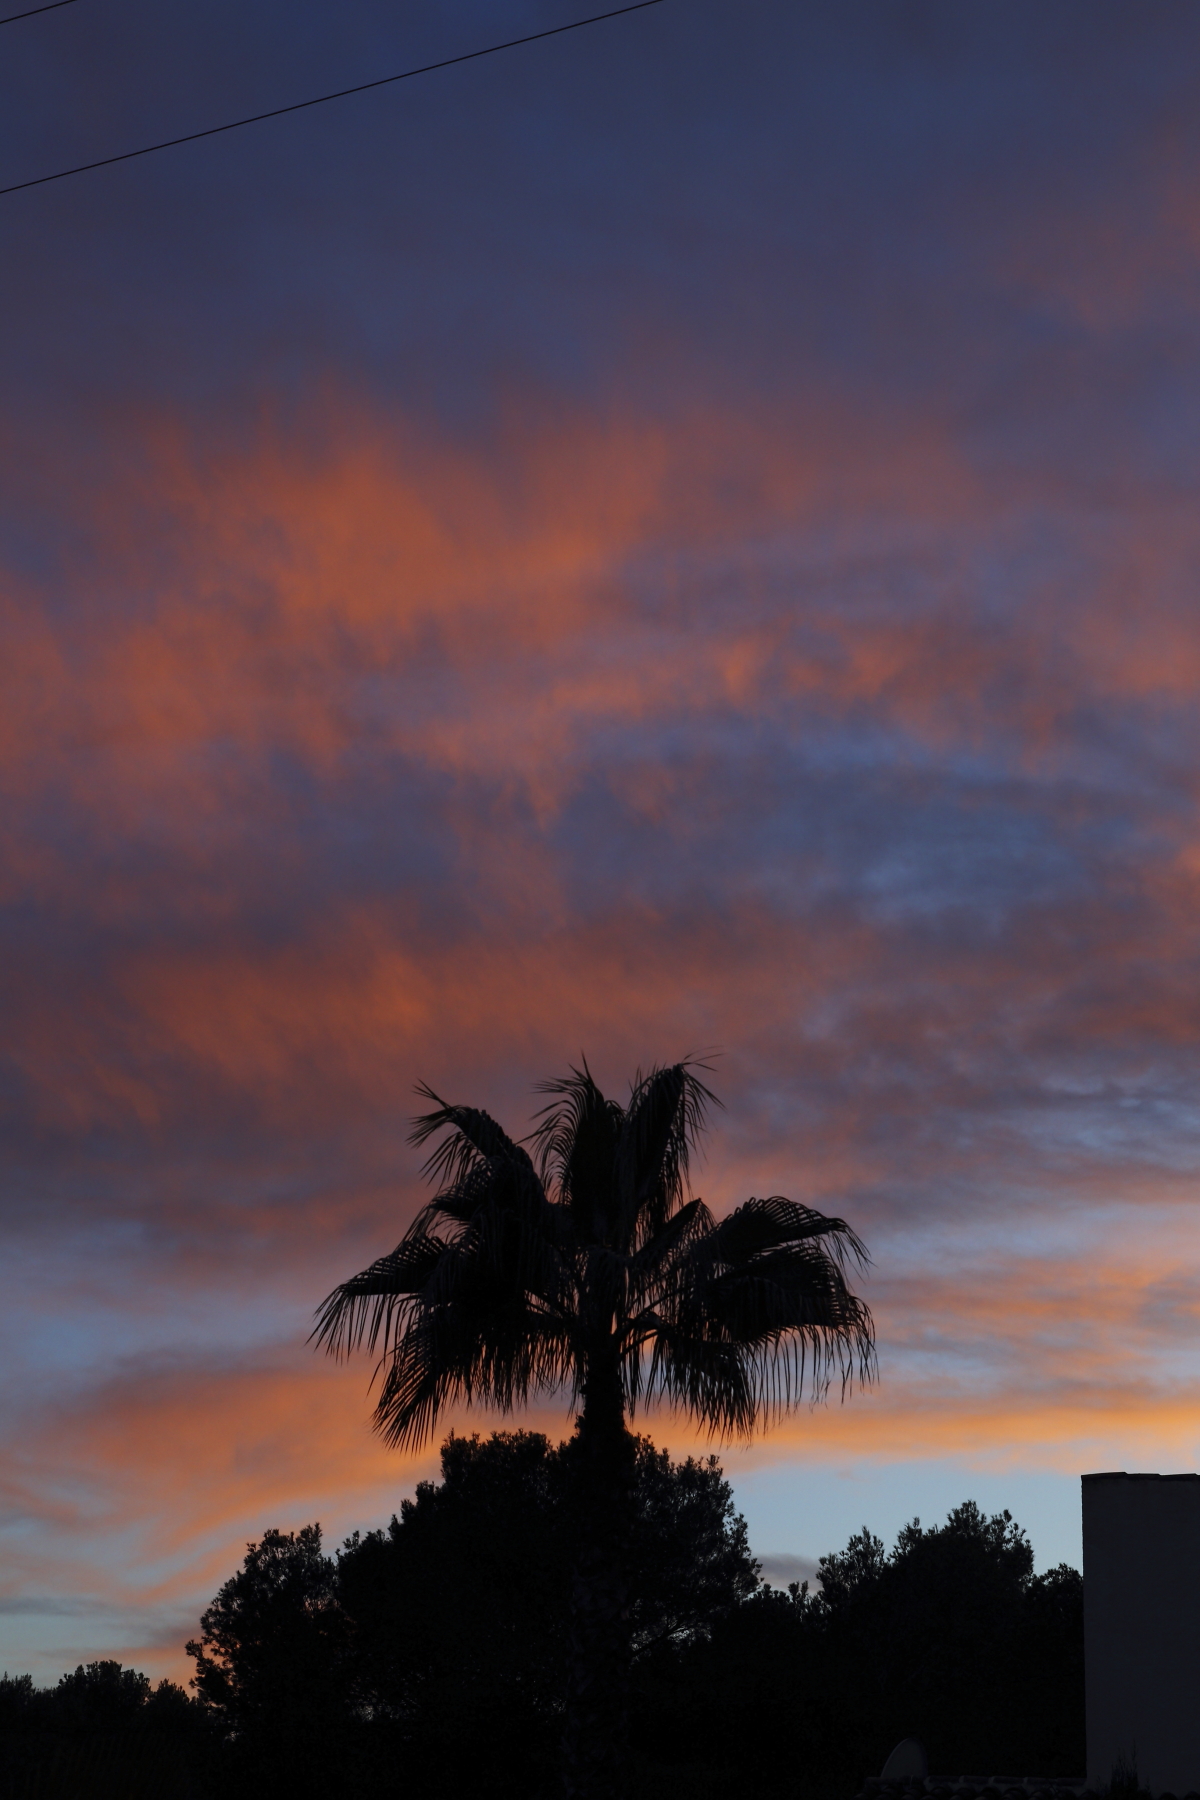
[429, 1659]
[461, 1609]
[951, 1639]
[102, 1734]
[273, 1670]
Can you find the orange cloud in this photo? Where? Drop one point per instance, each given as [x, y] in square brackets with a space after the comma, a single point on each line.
[327, 768]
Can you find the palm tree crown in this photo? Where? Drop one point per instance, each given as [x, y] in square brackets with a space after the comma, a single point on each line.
[586, 1266]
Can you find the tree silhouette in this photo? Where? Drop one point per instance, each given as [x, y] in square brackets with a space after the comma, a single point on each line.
[949, 1637]
[272, 1668]
[104, 1732]
[592, 1270]
[459, 1612]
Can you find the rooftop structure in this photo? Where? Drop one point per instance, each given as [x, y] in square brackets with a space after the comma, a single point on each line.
[1141, 1602]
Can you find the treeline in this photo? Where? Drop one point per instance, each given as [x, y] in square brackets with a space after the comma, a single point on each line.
[104, 1732]
[429, 1658]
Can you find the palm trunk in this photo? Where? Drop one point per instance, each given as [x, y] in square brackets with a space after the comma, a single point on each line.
[596, 1728]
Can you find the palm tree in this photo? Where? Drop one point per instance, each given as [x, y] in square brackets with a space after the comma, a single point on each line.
[587, 1267]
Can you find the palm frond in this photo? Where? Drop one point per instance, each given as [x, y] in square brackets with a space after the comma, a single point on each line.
[664, 1120]
[469, 1336]
[708, 1377]
[476, 1300]
[471, 1136]
[734, 1390]
[367, 1304]
[692, 1223]
[760, 1303]
[519, 1278]
[759, 1226]
[498, 1180]
[491, 1192]
[576, 1146]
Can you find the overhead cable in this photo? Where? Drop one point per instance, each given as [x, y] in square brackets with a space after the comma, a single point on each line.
[53, 6]
[362, 87]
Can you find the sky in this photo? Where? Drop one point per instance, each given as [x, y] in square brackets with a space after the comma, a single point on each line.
[678, 537]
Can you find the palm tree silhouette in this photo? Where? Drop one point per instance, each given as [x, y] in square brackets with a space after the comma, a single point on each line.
[587, 1267]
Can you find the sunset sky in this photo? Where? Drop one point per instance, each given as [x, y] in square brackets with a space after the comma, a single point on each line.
[682, 536]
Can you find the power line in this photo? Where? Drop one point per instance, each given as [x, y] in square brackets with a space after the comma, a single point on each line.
[53, 7]
[276, 112]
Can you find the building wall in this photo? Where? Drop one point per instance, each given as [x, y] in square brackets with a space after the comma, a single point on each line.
[1141, 1598]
